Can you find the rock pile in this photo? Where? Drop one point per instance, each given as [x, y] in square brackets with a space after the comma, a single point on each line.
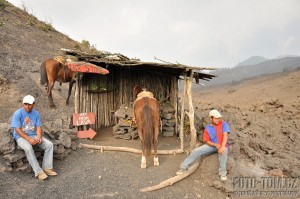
[168, 120]
[14, 158]
[3, 84]
[124, 128]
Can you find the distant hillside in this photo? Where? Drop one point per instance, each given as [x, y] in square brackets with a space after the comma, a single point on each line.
[283, 56]
[235, 74]
[251, 61]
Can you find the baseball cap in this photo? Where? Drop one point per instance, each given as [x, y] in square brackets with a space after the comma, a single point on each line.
[28, 99]
[214, 113]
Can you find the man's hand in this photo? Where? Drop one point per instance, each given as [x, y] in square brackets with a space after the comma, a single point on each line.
[39, 141]
[221, 150]
[218, 146]
[32, 141]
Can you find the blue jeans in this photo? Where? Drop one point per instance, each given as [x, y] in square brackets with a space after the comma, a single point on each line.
[206, 150]
[46, 145]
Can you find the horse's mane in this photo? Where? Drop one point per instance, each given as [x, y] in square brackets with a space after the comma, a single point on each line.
[136, 90]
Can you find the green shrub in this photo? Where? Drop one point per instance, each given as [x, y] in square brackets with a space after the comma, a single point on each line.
[30, 22]
[46, 27]
[3, 4]
[86, 43]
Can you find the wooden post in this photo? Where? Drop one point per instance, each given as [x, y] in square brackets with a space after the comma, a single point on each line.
[77, 94]
[174, 99]
[76, 100]
[182, 113]
[191, 111]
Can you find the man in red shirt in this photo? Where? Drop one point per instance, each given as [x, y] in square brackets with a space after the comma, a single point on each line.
[215, 136]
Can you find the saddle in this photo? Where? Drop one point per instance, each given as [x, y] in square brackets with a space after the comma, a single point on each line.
[62, 60]
[140, 96]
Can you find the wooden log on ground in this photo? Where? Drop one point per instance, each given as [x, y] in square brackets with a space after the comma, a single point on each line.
[131, 150]
[172, 180]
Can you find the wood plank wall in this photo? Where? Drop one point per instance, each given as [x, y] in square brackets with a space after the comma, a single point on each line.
[119, 84]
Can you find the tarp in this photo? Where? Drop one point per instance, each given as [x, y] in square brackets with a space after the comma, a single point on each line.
[86, 67]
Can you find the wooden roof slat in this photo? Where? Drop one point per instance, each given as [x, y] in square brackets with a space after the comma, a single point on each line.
[117, 59]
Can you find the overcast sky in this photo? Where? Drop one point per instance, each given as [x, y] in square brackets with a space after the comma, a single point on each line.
[212, 33]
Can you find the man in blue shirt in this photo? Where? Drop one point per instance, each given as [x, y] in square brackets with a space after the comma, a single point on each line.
[28, 133]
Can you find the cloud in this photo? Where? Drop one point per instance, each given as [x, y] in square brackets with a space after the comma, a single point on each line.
[195, 32]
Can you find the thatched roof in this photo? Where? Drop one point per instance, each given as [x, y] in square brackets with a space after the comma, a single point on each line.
[107, 60]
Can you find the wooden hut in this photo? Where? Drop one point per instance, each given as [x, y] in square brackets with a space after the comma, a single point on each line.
[104, 94]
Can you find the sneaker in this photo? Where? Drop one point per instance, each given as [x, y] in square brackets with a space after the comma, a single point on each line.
[223, 178]
[181, 171]
[50, 172]
[42, 176]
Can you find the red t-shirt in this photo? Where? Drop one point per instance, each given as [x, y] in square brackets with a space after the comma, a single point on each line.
[214, 133]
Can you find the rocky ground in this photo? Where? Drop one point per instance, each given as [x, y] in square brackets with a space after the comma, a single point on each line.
[263, 114]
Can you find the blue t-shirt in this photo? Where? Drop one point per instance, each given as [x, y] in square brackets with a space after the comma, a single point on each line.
[28, 127]
[214, 133]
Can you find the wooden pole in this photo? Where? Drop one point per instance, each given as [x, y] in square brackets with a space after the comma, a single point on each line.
[77, 94]
[76, 100]
[172, 180]
[191, 111]
[127, 149]
[182, 113]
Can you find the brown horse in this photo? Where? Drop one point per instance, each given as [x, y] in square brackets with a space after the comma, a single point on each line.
[51, 71]
[146, 114]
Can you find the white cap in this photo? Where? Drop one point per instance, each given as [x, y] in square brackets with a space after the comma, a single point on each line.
[28, 99]
[214, 113]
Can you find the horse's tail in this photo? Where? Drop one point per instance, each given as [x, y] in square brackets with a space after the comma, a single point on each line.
[148, 127]
[43, 73]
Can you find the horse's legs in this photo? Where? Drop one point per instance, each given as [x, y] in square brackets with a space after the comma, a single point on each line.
[143, 162]
[70, 90]
[156, 121]
[49, 93]
[50, 99]
[155, 158]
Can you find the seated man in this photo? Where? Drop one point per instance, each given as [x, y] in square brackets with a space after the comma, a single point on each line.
[27, 133]
[215, 136]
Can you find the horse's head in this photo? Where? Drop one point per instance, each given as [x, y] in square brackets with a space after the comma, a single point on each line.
[136, 90]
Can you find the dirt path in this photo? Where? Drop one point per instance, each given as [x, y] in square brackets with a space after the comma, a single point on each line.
[91, 174]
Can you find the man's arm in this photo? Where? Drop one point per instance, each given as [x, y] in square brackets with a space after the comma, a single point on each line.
[206, 139]
[32, 141]
[213, 144]
[39, 134]
[221, 150]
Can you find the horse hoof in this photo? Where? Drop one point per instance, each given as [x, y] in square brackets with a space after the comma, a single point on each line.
[143, 166]
[156, 162]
